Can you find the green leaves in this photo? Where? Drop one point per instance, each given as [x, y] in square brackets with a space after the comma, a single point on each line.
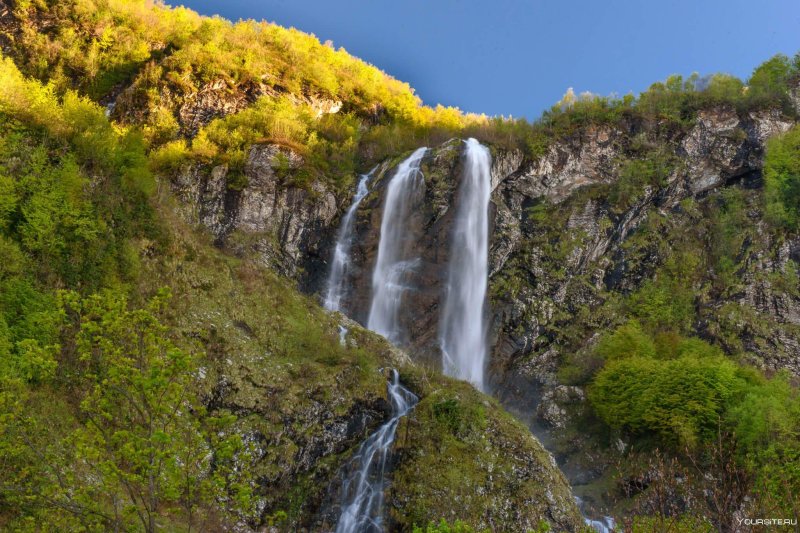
[681, 400]
[144, 434]
[769, 80]
[628, 340]
[782, 179]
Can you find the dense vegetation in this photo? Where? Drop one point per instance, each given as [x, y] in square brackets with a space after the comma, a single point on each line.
[93, 392]
[170, 56]
[782, 179]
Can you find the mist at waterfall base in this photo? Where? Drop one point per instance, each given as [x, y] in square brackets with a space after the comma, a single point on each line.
[341, 253]
[364, 476]
[395, 262]
[462, 333]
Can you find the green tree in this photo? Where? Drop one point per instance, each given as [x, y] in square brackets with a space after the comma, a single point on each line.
[680, 400]
[782, 179]
[143, 439]
[769, 80]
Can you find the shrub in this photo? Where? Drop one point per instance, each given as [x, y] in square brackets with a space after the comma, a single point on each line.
[680, 400]
[782, 179]
[628, 340]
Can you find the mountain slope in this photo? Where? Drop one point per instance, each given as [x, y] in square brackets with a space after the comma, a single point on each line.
[644, 288]
[255, 401]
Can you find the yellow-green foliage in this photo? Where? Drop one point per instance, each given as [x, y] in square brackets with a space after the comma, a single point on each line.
[68, 117]
[67, 177]
[767, 427]
[782, 179]
[96, 44]
[683, 392]
[681, 399]
[171, 53]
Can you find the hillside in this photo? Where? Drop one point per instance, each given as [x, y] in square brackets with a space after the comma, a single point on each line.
[172, 189]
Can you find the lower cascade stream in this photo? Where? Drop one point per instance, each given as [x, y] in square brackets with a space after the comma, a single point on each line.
[606, 524]
[364, 476]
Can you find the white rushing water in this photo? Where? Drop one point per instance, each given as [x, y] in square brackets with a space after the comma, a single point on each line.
[363, 480]
[462, 331]
[605, 524]
[341, 253]
[394, 263]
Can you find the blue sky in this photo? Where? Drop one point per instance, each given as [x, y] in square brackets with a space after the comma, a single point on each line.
[518, 57]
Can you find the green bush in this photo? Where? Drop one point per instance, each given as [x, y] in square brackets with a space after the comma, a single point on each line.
[768, 85]
[628, 340]
[650, 169]
[681, 400]
[767, 427]
[782, 179]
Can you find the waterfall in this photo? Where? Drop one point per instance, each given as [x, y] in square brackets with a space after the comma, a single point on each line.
[462, 331]
[605, 524]
[394, 263]
[341, 253]
[363, 479]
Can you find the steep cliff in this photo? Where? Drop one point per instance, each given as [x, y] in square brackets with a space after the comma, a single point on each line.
[572, 239]
[570, 183]
[303, 403]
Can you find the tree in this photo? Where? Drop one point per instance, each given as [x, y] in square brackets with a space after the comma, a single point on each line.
[782, 179]
[142, 438]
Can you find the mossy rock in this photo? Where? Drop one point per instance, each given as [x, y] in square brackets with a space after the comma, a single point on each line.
[460, 456]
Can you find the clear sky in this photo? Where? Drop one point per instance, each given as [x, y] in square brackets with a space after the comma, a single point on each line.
[518, 57]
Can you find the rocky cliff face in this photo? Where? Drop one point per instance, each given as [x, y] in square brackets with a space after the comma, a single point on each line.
[284, 226]
[562, 248]
[293, 229]
[722, 149]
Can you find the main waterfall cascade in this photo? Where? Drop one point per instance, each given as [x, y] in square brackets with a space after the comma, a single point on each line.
[341, 253]
[462, 326]
[363, 480]
[462, 329]
[395, 261]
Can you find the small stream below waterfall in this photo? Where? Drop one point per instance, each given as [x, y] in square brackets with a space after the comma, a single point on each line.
[521, 397]
[363, 478]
